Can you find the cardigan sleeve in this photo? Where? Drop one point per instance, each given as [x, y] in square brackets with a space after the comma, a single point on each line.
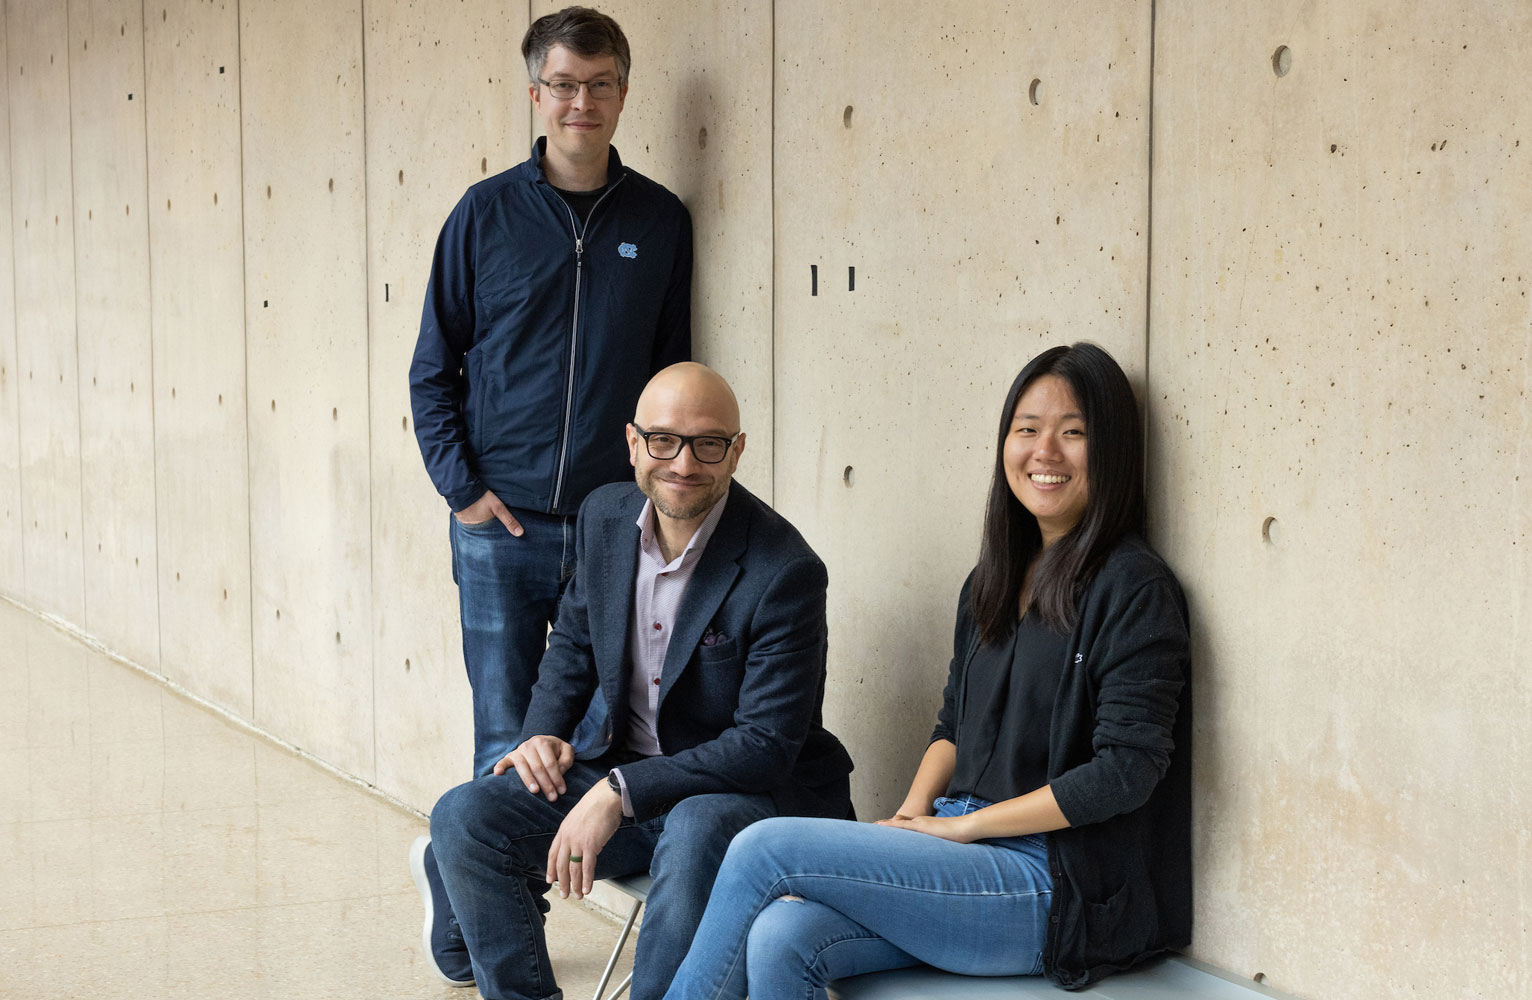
[1136, 662]
[962, 641]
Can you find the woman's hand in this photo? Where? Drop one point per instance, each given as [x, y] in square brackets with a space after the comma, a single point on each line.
[953, 828]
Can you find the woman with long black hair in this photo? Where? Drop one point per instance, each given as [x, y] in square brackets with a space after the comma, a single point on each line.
[1047, 830]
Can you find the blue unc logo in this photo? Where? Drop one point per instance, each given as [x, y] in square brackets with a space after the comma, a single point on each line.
[627, 250]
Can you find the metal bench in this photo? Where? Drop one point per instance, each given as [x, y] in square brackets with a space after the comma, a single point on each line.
[1168, 979]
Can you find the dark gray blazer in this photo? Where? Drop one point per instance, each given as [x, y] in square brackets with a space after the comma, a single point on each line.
[739, 713]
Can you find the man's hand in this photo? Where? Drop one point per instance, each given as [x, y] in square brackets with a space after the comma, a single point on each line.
[487, 507]
[540, 762]
[581, 837]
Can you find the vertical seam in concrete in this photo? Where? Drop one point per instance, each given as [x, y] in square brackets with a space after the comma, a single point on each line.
[771, 179]
[372, 597]
[1149, 246]
[154, 438]
[10, 195]
[79, 406]
[244, 282]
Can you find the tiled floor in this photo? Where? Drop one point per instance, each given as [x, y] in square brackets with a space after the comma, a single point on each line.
[148, 849]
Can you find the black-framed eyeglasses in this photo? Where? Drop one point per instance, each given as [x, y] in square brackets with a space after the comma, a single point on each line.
[599, 90]
[663, 445]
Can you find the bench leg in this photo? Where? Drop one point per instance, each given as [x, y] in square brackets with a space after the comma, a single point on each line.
[611, 963]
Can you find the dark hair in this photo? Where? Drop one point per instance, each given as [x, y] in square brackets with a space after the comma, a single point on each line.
[1114, 505]
[583, 31]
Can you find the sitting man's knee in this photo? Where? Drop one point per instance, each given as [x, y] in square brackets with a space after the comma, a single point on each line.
[454, 815]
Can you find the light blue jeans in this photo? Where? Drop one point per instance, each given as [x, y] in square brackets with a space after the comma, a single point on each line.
[868, 898]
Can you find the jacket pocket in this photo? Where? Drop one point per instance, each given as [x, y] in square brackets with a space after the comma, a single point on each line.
[1120, 928]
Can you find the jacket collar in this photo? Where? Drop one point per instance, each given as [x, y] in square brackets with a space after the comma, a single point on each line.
[534, 167]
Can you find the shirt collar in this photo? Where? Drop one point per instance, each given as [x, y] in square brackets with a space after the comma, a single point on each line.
[650, 547]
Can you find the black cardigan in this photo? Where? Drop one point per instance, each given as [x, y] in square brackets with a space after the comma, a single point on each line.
[1119, 764]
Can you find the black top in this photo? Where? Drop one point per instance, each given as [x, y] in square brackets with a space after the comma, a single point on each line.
[581, 201]
[1007, 701]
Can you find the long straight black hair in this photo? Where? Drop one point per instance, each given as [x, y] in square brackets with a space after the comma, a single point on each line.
[1114, 504]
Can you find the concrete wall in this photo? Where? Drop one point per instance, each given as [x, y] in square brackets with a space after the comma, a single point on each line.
[1341, 341]
[217, 222]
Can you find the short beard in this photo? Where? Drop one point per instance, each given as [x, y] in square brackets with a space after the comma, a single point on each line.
[651, 489]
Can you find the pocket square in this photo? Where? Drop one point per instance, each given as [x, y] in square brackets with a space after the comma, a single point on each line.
[711, 638]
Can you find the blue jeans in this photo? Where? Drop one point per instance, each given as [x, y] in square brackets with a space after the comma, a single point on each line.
[491, 838]
[868, 898]
[508, 596]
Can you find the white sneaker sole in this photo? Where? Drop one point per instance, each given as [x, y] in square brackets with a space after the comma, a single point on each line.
[423, 885]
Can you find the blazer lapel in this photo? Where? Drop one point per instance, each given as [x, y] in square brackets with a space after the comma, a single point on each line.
[610, 600]
[708, 587]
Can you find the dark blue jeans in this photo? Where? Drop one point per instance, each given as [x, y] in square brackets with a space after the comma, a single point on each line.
[508, 596]
[491, 838]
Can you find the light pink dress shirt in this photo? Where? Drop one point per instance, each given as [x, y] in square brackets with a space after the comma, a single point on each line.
[657, 591]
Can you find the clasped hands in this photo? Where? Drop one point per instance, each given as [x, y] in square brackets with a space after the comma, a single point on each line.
[540, 763]
[910, 817]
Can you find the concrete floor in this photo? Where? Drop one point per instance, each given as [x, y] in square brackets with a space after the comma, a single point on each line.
[152, 850]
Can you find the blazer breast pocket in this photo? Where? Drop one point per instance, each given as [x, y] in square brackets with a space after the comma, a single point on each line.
[722, 649]
[717, 673]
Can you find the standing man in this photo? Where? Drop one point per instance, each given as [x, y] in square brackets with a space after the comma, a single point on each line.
[557, 288]
[697, 616]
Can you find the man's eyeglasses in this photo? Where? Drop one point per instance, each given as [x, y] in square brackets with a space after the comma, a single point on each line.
[664, 445]
[565, 90]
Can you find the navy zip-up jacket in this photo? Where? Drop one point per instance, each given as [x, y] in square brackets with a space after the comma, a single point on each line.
[539, 333]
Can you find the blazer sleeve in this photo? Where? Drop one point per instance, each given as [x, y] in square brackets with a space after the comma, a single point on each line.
[1138, 662]
[778, 700]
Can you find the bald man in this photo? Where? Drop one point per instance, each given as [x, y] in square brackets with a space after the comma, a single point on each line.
[698, 614]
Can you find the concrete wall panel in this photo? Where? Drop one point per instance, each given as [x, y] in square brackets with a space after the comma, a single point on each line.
[982, 228]
[42, 225]
[192, 65]
[112, 294]
[1340, 356]
[698, 120]
[12, 578]
[446, 106]
[306, 328]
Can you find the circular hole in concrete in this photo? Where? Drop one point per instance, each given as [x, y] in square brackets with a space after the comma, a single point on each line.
[1035, 92]
[1282, 60]
[1269, 531]
[702, 138]
[847, 476]
[845, 116]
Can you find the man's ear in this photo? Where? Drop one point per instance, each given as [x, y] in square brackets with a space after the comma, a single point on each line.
[738, 450]
[633, 440]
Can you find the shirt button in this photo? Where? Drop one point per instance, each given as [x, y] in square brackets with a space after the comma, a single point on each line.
[656, 626]
[656, 682]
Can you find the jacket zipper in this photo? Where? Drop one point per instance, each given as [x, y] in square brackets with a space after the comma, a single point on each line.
[578, 232]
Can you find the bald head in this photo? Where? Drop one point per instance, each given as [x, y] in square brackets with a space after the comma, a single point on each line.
[686, 409]
[693, 390]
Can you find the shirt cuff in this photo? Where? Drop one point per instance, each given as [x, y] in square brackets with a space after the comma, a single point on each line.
[627, 804]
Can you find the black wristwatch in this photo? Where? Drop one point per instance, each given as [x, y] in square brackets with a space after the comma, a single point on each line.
[613, 783]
